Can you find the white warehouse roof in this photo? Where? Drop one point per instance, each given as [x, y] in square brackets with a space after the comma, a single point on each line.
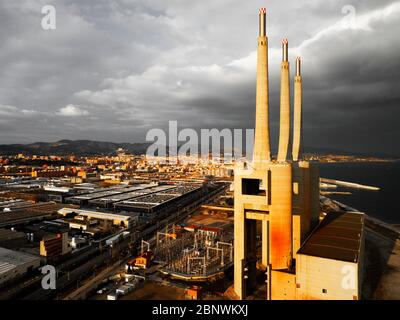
[10, 259]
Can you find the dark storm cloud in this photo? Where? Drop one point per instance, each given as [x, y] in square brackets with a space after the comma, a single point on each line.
[114, 69]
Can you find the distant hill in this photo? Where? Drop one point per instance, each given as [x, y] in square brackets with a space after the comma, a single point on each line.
[330, 151]
[88, 148]
[69, 147]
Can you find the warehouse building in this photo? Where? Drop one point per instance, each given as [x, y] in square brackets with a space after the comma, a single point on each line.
[162, 201]
[54, 243]
[14, 264]
[123, 219]
[11, 239]
[89, 198]
[110, 199]
[34, 213]
[329, 265]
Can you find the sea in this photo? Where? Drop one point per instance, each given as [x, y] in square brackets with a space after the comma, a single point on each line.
[383, 204]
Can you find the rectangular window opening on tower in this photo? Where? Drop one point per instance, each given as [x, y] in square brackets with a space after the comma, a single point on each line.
[253, 187]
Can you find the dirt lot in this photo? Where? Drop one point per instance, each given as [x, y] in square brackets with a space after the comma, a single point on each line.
[209, 220]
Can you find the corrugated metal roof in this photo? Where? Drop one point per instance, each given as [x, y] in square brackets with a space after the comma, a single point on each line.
[35, 211]
[338, 237]
[5, 266]
[10, 259]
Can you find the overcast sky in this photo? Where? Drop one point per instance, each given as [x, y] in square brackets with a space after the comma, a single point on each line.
[113, 69]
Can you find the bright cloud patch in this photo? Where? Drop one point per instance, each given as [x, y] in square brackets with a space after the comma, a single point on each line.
[72, 111]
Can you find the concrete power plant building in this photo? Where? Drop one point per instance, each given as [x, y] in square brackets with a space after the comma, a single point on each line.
[301, 258]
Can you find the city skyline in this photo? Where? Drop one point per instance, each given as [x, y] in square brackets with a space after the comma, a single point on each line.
[112, 72]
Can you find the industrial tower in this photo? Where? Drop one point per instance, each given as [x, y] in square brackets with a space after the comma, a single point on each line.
[282, 195]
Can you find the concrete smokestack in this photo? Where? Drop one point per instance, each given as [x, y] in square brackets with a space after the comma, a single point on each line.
[298, 67]
[261, 16]
[262, 153]
[298, 117]
[285, 50]
[284, 129]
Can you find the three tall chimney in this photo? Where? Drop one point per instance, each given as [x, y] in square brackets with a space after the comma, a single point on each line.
[262, 152]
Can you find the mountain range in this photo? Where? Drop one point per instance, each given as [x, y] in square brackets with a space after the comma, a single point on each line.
[70, 147]
[89, 148]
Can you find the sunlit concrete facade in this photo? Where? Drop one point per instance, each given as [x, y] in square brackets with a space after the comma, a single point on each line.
[330, 262]
[284, 197]
[326, 279]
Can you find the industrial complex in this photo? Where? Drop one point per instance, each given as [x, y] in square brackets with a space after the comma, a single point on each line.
[131, 228]
[125, 226]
